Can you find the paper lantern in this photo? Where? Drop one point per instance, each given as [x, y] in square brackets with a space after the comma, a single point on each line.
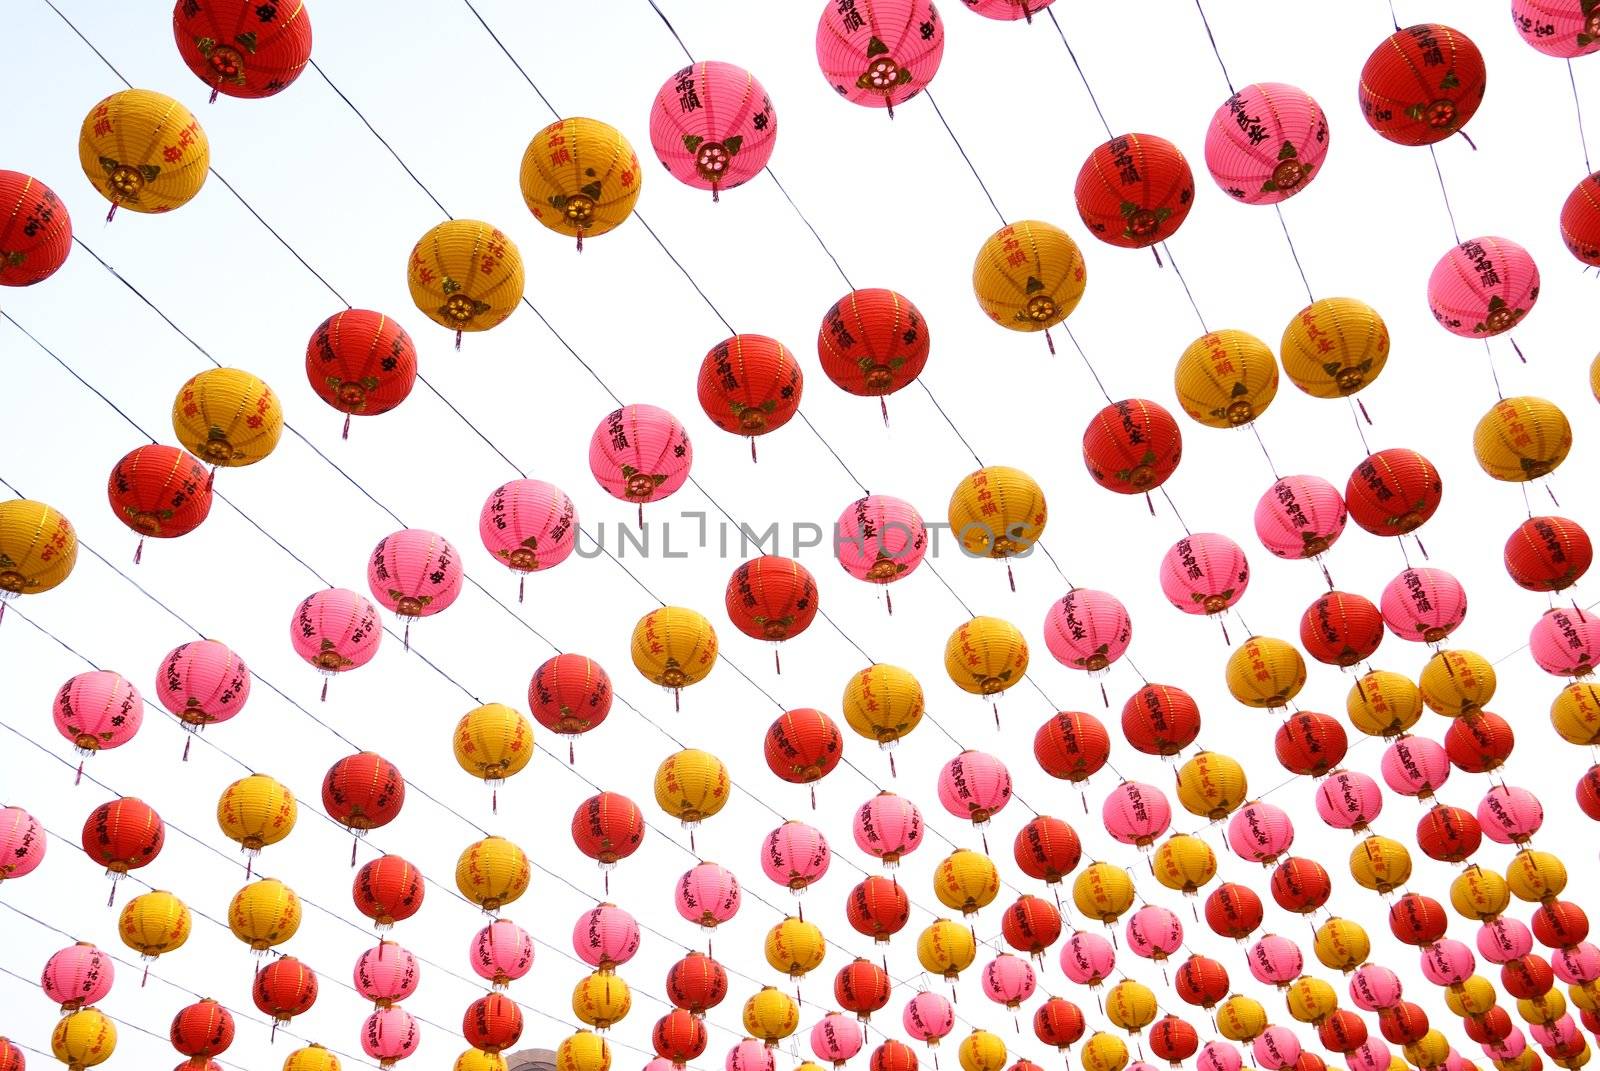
[264, 914]
[160, 492]
[1482, 287]
[243, 49]
[1565, 29]
[1047, 849]
[1087, 629]
[674, 647]
[879, 53]
[83, 1039]
[465, 275]
[1136, 814]
[1341, 629]
[1580, 215]
[389, 1035]
[1565, 643]
[1266, 143]
[1260, 832]
[1393, 492]
[1134, 190]
[1132, 447]
[361, 363]
[640, 453]
[1211, 785]
[1160, 719]
[1334, 347]
[888, 827]
[36, 232]
[1029, 276]
[502, 951]
[227, 417]
[1184, 862]
[1548, 554]
[492, 873]
[386, 974]
[143, 150]
[605, 937]
[1309, 744]
[713, 126]
[1522, 439]
[580, 177]
[1225, 379]
[1265, 672]
[1204, 573]
[1007, 11]
[1072, 746]
[528, 525]
[750, 385]
[1087, 958]
[1424, 605]
[1300, 517]
[872, 343]
[388, 890]
[1423, 84]
[77, 976]
[98, 710]
[335, 630]
[998, 512]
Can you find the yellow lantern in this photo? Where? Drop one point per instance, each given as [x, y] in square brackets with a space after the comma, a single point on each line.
[986, 655]
[1334, 347]
[227, 417]
[1543, 1009]
[1475, 995]
[1536, 876]
[674, 647]
[1103, 892]
[1226, 379]
[1342, 945]
[264, 914]
[580, 177]
[1576, 714]
[493, 742]
[1526, 1060]
[1380, 864]
[1479, 894]
[795, 947]
[946, 948]
[883, 703]
[1585, 996]
[1029, 276]
[492, 873]
[966, 881]
[154, 922]
[1104, 1052]
[691, 786]
[1570, 1063]
[601, 1000]
[144, 151]
[256, 811]
[1522, 439]
[1430, 1050]
[1594, 377]
[998, 512]
[1241, 1018]
[1185, 863]
[1130, 1006]
[1211, 785]
[583, 1051]
[1310, 1000]
[466, 275]
[1384, 704]
[86, 1038]
[1266, 673]
[1454, 683]
[981, 1051]
[478, 1060]
[38, 548]
[771, 1015]
[311, 1058]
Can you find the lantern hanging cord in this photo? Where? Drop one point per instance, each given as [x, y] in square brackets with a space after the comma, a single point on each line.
[839, 267]
[1295, 253]
[1395, 19]
[1088, 364]
[668, 24]
[962, 149]
[1079, 67]
[1445, 195]
[1494, 373]
[381, 139]
[1195, 305]
[1214, 50]
[1577, 108]
[950, 422]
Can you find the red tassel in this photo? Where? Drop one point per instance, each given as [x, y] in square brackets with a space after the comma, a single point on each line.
[458, 341]
[1224, 625]
[605, 880]
[345, 434]
[890, 101]
[1518, 348]
[1103, 697]
[889, 601]
[677, 700]
[1365, 415]
[353, 843]
[522, 583]
[1157, 252]
[405, 637]
[580, 240]
[273, 1037]
[111, 899]
[138, 552]
[1464, 134]
[753, 458]
[892, 772]
[1047, 339]
[1150, 502]
[813, 788]
[694, 851]
[1026, 13]
[249, 865]
[1551, 492]
[641, 516]
[494, 801]
[1009, 577]
[112, 213]
[189, 739]
[1326, 576]
[325, 689]
[883, 407]
[996, 708]
[800, 910]
[777, 666]
[715, 198]
[571, 759]
[1084, 797]
[1421, 547]
[76, 781]
[146, 977]
[983, 835]
[216, 87]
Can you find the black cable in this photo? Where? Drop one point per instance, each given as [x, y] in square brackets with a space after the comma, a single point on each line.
[1082, 77]
[1577, 107]
[1214, 50]
[962, 149]
[1445, 194]
[1295, 253]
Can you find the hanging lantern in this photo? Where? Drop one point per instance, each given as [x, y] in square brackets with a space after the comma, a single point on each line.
[36, 235]
[929, 1018]
[1153, 933]
[1580, 215]
[795, 947]
[1301, 885]
[1087, 630]
[1136, 814]
[161, 492]
[1565, 29]
[76, 977]
[1393, 492]
[335, 630]
[1335, 347]
[1225, 379]
[835, 1038]
[415, 573]
[1448, 834]
[580, 177]
[1483, 287]
[569, 695]
[691, 786]
[713, 126]
[1342, 945]
[1380, 864]
[773, 599]
[986, 656]
[608, 828]
[1132, 447]
[38, 549]
[795, 856]
[389, 1035]
[771, 1015]
[529, 526]
[674, 647]
[83, 1039]
[1233, 911]
[1204, 574]
[1300, 517]
[284, 989]
[880, 53]
[1103, 892]
[202, 683]
[1424, 605]
[1173, 1040]
[1005, 11]
[1029, 276]
[98, 710]
[1423, 84]
[750, 385]
[1087, 959]
[966, 881]
[1211, 785]
[363, 792]
[679, 1037]
[1384, 704]
[492, 873]
[465, 275]
[227, 417]
[1266, 143]
[361, 363]
[492, 1023]
[243, 49]
[605, 937]
[1341, 629]
[803, 746]
[982, 1051]
[998, 512]
[1266, 673]
[502, 952]
[882, 703]
[154, 922]
[388, 890]
[1030, 925]
[1349, 799]
[877, 907]
[1008, 980]
[1134, 190]
[1548, 554]
[880, 539]
[946, 948]
[696, 983]
[872, 343]
[1184, 863]
[1058, 1022]
[1260, 832]
[122, 835]
[171, 157]
[1309, 744]
[1522, 439]
[264, 914]
[1107, 1052]
[888, 827]
[583, 1051]
[708, 895]
[493, 742]
[1415, 766]
[1160, 719]
[975, 786]
[1201, 981]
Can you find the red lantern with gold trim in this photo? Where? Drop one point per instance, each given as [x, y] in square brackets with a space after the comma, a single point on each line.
[878, 908]
[1417, 920]
[608, 827]
[1479, 742]
[1448, 834]
[750, 385]
[872, 343]
[1422, 84]
[1031, 925]
[862, 987]
[122, 835]
[492, 1023]
[283, 989]
[388, 890]
[1072, 745]
[35, 235]
[679, 1037]
[202, 1030]
[362, 363]
[1393, 492]
[243, 48]
[1173, 1039]
[1341, 629]
[1311, 744]
[1047, 849]
[161, 492]
[771, 598]
[363, 792]
[1300, 885]
[803, 746]
[696, 983]
[1134, 190]
[569, 695]
[1548, 554]
[1160, 719]
[1132, 447]
[1201, 981]
[1233, 910]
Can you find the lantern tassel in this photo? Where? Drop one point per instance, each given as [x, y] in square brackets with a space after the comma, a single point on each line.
[571, 758]
[1225, 638]
[1326, 576]
[692, 849]
[78, 780]
[892, 772]
[405, 639]
[1468, 137]
[983, 835]
[1194, 910]
[109, 216]
[1551, 492]
[1157, 252]
[494, 801]
[800, 910]
[1518, 348]
[641, 516]
[1103, 697]
[325, 689]
[1010, 578]
[580, 239]
[1361, 405]
[273, 1036]
[345, 434]
[605, 881]
[996, 708]
[138, 552]
[813, 787]
[522, 584]
[1422, 548]
[216, 87]
[888, 601]
[458, 341]
[146, 976]
[1048, 341]
[249, 865]
[1015, 1022]
[777, 663]
[677, 700]
[353, 843]
[753, 459]
[1082, 796]
[883, 407]
[111, 898]
[715, 196]
[187, 741]
[1150, 502]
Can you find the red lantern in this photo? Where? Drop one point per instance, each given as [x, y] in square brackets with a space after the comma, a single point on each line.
[1173, 1039]
[1134, 190]
[1233, 911]
[1132, 447]
[750, 385]
[1058, 1022]
[1160, 719]
[1342, 1031]
[862, 987]
[1403, 1023]
[35, 237]
[161, 492]
[1417, 920]
[1560, 924]
[363, 792]
[1548, 553]
[1491, 1027]
[1201, 981]
[202, 1030]
[11, 1058]
[878, 908]
[1580, 220]
[803, 746]
[872, 343]
[893, 1056]
[1311, 744]
[1072, 746]
[283, 989]
[122, 835]
[362, 363]
[679, 1037]
[772, 598]
[569, 695]
[243, 48]
[696, 983]
[1308, 1061]
[1588, 792]
[1341, 629]
[1422, 84]
[1479, 743]
[1300, 885]
[1031, 925]
[1047, 849]
[1527, 977]
[1448, 834]
[388, 890]
[1393, 492]
[492, 1023]
[607, 827]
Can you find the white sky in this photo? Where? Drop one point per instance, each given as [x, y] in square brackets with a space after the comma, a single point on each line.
[897, 206]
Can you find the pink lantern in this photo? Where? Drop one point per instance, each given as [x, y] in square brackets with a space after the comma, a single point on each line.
[502, 952]
[202, 683]
[1483, 287]
[880, 539]
[1577, 965]
[1275, 960]
[795, 855]
[1204, 573]
[1087, 958]
[1266, 143]
[976, 786]
[98, 710]
[879, 53]
[1374, 987]
[1349, 799]
[1007, 10]
[1447, 962]
[713, 127]
[1154, 933]
[640, 453]
[836, 1038]
[1300, 517]
[1087, 629]
[1372, 1055]
[1008, 980]
[389, 1035]
[78, 976]
[1565, 29]
[1416, 766]
[1503, 939]
[415, 573]
[335, 630]
[1260, 832]
[661, 1063]
[1566, 643]
[386, 974]
[1218, 1056]
[708, 894]
[1424, 605]
[1510, 815]
[605, 936]
[1508, 1047]
[528, 525]
[749, 1055]
[1276, 1048]
[929, 1018]
[1136, 813]
[1456, 1062]
[888, 827]
[22, 843]
[1557, 1033]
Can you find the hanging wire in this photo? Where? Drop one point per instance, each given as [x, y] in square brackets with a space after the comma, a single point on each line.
[1295, 253]
[1079, 68]
[1198, 315]
[959, 148]
[1445, 194]
[1577, 108]
[1214, 50]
